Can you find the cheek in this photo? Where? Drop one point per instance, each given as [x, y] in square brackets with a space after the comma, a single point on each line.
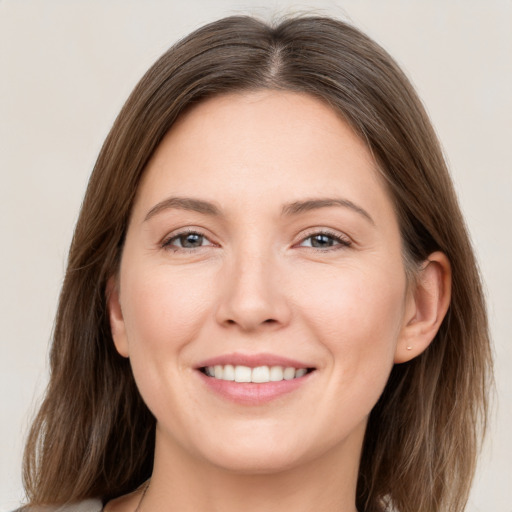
[163, 308]
[357, 315]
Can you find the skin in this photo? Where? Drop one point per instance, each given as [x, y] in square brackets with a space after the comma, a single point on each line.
[255, 284]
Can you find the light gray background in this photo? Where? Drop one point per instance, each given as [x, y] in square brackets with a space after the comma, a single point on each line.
[66, 68]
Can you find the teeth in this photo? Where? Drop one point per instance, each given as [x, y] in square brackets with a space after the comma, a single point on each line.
[276, 373]
[242, 374]
[259, 374]
[289, 373]
[229, 372]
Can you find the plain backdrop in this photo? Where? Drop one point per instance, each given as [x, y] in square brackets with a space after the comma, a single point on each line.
[66, 68]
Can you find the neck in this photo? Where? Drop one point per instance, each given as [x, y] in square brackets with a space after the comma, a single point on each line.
[187, 484]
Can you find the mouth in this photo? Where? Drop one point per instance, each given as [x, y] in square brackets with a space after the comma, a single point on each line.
[258, 375]
[254, 379]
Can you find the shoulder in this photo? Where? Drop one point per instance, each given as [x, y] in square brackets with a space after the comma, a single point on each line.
[81, 506]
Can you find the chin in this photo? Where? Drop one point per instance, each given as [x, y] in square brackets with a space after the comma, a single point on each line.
[257, 462]
[269, 452]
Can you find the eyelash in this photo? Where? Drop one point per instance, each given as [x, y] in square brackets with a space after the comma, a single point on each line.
[167, 243]
[340, 241]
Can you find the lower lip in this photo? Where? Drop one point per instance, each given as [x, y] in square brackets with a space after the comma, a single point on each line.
[250, 393]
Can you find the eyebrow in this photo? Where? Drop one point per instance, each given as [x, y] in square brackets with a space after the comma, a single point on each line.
[184, 203]
[315, 204]
[295, 208]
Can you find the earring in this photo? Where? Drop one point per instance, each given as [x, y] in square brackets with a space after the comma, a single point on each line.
[409, 347]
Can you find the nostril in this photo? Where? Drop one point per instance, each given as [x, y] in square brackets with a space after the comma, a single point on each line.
[230, 321]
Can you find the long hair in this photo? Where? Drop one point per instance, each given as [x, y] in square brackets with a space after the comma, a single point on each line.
[94, 436]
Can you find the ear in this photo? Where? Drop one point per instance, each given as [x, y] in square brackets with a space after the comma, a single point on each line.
[115, 314]
[426, 307]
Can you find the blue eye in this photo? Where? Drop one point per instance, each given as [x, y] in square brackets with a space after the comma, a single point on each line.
[188, 240]
[324, 241]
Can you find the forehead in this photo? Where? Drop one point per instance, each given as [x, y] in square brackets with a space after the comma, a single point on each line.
[245, 146]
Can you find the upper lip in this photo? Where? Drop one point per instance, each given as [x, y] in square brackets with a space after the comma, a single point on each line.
[253, 360]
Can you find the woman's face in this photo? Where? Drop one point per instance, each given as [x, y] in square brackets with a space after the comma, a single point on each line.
[262, 238]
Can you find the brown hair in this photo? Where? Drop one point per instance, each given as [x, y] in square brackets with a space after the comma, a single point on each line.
[94, 437]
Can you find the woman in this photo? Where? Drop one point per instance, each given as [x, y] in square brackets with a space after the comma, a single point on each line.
[271, 300]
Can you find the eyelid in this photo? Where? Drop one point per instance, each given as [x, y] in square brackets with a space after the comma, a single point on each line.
[343, 240]
[165, 243]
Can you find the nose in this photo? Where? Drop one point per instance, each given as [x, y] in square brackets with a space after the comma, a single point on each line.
[253, 294]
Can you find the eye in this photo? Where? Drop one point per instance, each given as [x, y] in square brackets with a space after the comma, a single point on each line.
[186, 240]
[325, 240]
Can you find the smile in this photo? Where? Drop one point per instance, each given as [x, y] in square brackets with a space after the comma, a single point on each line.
[258, 374]
[254, 379]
